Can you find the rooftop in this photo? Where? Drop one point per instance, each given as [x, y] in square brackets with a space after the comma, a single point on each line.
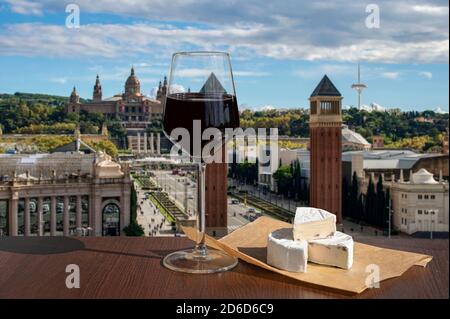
[325, 88]
[59, 165]
[352, 137]
[388, 159]
[36, 164]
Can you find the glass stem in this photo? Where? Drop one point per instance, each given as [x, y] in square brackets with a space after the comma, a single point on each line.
[200, 246]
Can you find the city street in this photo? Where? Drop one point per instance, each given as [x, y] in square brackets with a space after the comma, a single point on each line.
[181, 189]
[149, 217]
[235, 215]
[275, 199]
[183, 194]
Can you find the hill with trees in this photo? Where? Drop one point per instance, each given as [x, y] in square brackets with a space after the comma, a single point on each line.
[422, 131]
[26, 113]
[40, 113]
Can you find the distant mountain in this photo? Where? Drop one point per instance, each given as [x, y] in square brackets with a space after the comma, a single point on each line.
[267, 108]
[377, 107]
[368, 108]
[438, 110]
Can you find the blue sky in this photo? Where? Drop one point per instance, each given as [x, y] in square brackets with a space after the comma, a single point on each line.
[280, 50]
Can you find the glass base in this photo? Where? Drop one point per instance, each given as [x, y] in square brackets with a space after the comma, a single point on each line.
[191, 261]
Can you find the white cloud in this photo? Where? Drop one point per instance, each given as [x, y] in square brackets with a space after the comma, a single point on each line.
[426, 74]
[25, 7]
[59, 80]
[192, 73]
[330, 69]
[431, 10]
[177, 88]
[292, 29]
[108, 40]
[390, 75]
[153, 92]
[251, 73]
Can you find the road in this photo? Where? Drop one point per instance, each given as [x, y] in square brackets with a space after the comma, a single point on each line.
[236, 215]
[275, 199]
[150, 218]
[181, 189]
[177, 189]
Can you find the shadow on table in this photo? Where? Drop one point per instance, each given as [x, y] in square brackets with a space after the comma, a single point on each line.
[40, 245]
[60, 245]
[155, 254]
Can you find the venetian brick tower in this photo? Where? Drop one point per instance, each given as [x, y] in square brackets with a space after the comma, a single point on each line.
[216, 198]
[326, 148]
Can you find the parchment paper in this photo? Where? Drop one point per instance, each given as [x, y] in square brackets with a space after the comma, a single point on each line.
[249, 243]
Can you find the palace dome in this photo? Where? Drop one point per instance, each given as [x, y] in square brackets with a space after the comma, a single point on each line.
[132, 85]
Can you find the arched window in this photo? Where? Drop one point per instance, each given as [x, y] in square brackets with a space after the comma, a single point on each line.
[111, 220]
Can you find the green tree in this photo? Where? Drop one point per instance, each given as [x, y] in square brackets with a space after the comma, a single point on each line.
[106, 146]
[354, 200]
[134, 229]
[247, 172]
[346, 209]
[48, 143]
[283, 177]
[370, 202]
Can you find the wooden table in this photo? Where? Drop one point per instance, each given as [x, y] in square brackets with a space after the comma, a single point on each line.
[125, 267]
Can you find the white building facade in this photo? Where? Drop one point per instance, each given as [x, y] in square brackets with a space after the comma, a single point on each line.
[420, 204]
[63, 194]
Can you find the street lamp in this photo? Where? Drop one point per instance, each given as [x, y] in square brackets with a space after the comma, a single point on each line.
[389, 218]
[432, 222]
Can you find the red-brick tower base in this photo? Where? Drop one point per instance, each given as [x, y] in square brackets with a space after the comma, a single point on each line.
[216, 198]
[326, 170]
[326, 148]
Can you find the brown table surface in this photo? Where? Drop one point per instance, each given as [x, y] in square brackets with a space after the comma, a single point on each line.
[126, 267]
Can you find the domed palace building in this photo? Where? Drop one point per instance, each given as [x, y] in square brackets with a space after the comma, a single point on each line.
[132, 108]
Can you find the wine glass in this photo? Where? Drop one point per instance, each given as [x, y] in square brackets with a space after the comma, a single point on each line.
[200, 96]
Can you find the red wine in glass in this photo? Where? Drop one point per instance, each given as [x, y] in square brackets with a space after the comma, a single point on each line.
[201, 90]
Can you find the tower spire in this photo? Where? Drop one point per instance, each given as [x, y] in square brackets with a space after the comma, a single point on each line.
[74, 97]
[359, 73]
[359, 87]
[97, 94]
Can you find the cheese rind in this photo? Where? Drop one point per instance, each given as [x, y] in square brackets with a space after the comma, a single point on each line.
[313, 223]
[285, 253]
[334, 251]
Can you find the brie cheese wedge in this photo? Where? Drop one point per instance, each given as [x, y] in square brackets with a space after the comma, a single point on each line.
[285, 253]
[334, 251]
[313, 223]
